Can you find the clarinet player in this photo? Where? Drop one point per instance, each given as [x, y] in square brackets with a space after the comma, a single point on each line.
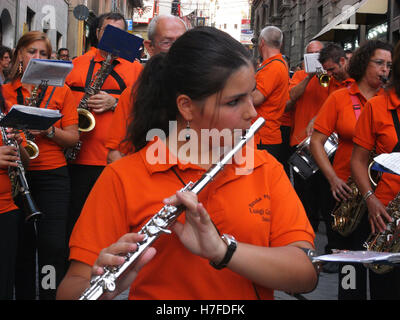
[200, 89]
[9, 212]
[47, 174]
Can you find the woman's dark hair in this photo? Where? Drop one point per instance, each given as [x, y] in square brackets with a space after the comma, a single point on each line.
[362, 56]
[198, 65]
[396, 69]
[4, 50]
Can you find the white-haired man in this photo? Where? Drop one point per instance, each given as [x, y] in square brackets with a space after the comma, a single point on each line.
[271, 94]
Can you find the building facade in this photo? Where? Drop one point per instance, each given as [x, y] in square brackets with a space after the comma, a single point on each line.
[80, 32]
[20, 16]
[347, 22]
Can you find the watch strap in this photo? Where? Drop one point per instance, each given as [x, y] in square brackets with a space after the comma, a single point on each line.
[231, 248]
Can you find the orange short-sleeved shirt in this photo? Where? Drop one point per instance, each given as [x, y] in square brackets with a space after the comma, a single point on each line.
[51, 155]
[6, 200]
[337, 115]
[130, 191]
[308, 105]
[93, 150]
[273, 83]
[120, 122]
[375, 127]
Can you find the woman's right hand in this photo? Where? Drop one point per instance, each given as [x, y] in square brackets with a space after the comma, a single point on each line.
[8, 157]
[114, 256]
[340, 190]
[377, 214]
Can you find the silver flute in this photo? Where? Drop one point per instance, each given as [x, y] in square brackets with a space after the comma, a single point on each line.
[160, 223]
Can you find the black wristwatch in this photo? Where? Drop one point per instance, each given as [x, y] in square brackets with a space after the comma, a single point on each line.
[232, 245]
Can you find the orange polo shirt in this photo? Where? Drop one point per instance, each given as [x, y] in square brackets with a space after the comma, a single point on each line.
[51, 155]
[120, 122]
[93, 150]
[308, 105]
[375, 127]
[337, 115]
[6, 200]
[268, 214]
[273, 83]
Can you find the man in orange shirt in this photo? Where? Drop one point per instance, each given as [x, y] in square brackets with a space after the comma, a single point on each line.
[271, 94]
[163, 30]
[92, 157]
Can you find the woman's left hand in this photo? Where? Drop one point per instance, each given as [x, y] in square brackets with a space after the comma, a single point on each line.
[198, 234]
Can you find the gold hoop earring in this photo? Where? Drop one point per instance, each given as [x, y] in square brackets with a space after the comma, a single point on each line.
[20, 68]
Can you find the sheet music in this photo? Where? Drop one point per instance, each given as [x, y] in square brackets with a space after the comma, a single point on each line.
[53, 72]
[365, 257]
[25, 117]
[311, 63]
[390, 161]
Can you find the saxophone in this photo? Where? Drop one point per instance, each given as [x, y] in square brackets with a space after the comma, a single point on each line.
[388, 240]
[347, 213]
[161, 222]
[18, 182]
[86, 120]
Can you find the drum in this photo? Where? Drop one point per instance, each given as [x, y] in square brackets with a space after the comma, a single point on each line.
[302, 160]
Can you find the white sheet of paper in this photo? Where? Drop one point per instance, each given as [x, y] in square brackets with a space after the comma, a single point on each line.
[361, 257]
[390, 161]
[52, 71]
[311, 63]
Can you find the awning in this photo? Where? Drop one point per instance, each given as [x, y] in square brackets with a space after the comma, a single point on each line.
[366, 12]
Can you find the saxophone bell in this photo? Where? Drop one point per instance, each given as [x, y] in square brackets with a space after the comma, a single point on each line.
[32, 149]
[86, 120]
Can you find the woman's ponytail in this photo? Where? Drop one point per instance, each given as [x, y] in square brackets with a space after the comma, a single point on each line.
[153, 102]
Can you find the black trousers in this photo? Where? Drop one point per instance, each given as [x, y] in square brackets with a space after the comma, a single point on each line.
[51, 191]
[286, 149]
[8, 249]
[82, 179]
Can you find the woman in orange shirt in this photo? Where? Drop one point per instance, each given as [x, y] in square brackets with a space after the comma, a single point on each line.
[47, 174]
[200, 89]
[339, 114]
[378, 127]
[9, 212]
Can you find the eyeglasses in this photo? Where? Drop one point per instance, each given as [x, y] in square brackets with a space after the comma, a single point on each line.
[382, 63]
[165, 43]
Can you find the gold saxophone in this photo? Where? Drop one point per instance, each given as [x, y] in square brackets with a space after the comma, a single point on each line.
[347, 214]
[86, 120]
[388, 240]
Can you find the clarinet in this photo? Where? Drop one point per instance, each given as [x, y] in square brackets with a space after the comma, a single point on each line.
[18, 180]
[160, 223]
